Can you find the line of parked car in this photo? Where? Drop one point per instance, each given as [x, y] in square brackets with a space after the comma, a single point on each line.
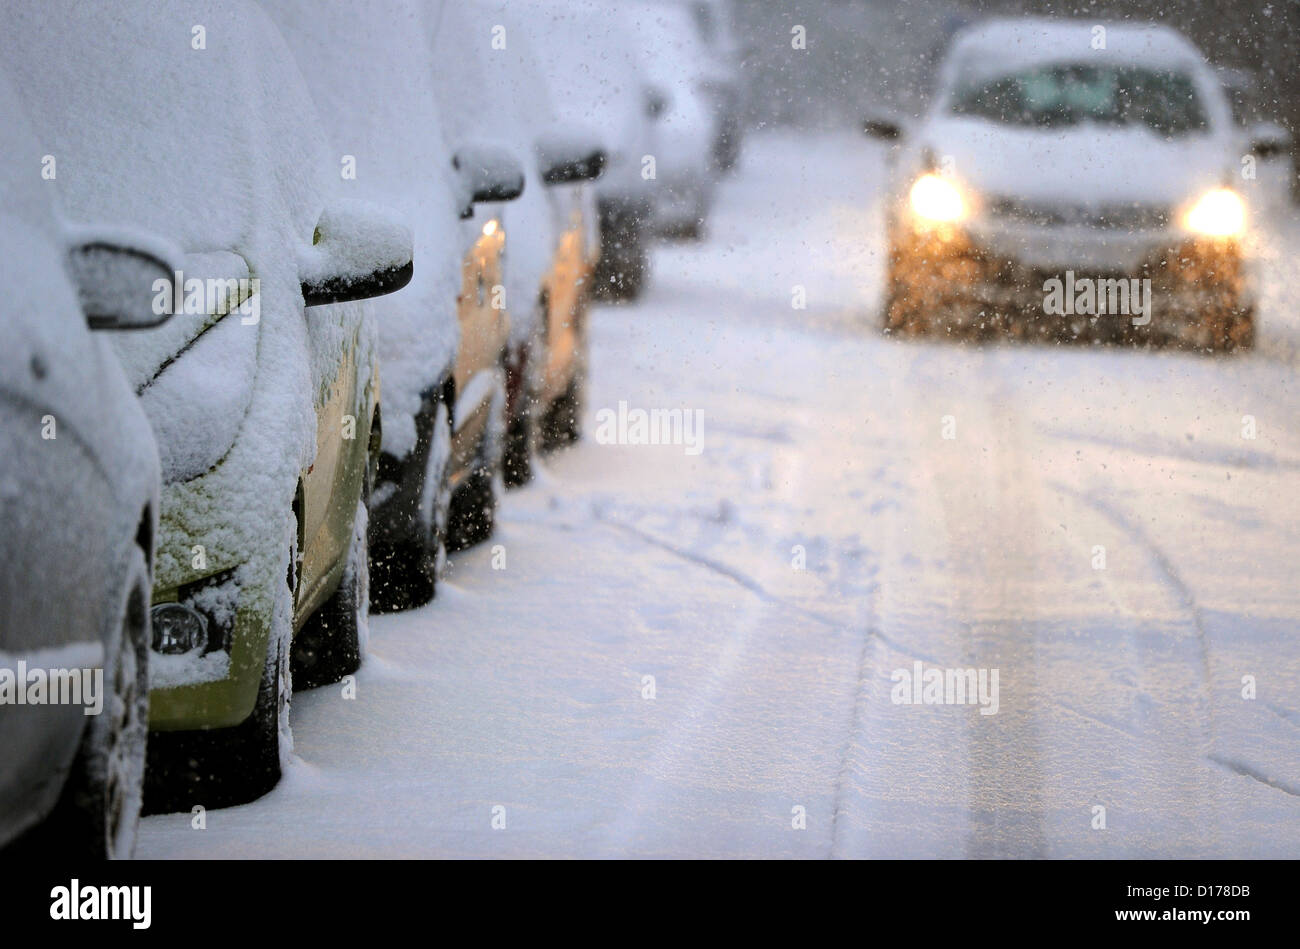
[341, 255]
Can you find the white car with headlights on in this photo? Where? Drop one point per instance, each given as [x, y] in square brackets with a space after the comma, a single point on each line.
[1070, 182]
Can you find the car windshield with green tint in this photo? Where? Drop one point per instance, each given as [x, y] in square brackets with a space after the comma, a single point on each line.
[1066, 95]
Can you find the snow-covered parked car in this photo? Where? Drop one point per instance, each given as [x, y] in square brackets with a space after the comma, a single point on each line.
[550, 250]
[190, 119]
[1070, 183]
[672, 65]
[441, 339]
[721, 79]
[592, 65]
[78, 516]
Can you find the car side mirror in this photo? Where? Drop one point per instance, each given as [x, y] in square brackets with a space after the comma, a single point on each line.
[656, 102]
[359, 251]
[487, 173]
[1268, 140]
[564, 159]
[884, 129]
[115, 276]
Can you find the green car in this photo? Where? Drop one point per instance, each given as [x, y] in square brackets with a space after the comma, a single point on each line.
[261, 389]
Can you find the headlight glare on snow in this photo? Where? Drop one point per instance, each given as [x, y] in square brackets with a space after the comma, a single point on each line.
[937, 199]
[178, 629]
[1219, 213]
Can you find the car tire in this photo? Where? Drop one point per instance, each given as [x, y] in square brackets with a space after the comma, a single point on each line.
[562, 424]
[521, 442]
[473, 511]
[517, 462]
[223, 767]
[98, 814]
[331, 644]
[404, 574]
[624, 259]
[472, 514]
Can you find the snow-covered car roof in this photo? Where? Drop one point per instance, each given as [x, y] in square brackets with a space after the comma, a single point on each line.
[591, 61]
[669, 50]
[173, 117]
[998, 46]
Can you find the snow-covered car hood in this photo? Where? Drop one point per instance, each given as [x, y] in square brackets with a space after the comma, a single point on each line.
[1086, 164]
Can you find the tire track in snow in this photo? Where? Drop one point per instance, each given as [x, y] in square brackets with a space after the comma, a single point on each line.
[1173, 579]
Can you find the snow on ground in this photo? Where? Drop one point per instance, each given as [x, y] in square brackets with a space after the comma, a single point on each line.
[1121, 688]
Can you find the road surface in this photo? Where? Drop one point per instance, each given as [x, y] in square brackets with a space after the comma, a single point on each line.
[666, 652]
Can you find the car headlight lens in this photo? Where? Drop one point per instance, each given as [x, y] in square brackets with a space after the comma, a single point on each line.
[178, 629]
[1219, 213]
[937, 199]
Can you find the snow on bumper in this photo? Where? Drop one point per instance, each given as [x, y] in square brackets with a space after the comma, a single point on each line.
[1168, 285]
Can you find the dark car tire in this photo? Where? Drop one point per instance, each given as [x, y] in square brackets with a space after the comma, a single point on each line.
[223, 767]
[523, 387]
[562, 424]
[404, 573]
[98, 814]
[473, 511]
[624, 258]
[517, 462]
[331, 644]
[621, 279]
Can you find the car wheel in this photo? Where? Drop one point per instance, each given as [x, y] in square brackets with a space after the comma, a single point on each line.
[473, 511]
[562, 424]
[404, 573]
[98, 813]
[624, 259]
[331, 644]
[521, 442]
[472, 514]
[223, 767]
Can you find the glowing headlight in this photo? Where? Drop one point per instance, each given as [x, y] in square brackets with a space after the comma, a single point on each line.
[937, 199]
[1219, 213]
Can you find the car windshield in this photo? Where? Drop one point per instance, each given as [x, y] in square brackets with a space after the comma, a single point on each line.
[1064, 95]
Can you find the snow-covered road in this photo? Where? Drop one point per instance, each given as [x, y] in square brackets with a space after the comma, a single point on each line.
[525, 688]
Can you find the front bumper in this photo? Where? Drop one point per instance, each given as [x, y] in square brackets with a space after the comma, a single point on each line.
[967, 280]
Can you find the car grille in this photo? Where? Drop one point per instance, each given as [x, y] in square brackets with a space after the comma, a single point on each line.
[1130, 216]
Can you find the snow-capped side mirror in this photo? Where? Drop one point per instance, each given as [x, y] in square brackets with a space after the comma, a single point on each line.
[656, 102]
[565, 158]
[886, 130]
[115, 274]
[359, 251]
[487, 173]
[1268, 140]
